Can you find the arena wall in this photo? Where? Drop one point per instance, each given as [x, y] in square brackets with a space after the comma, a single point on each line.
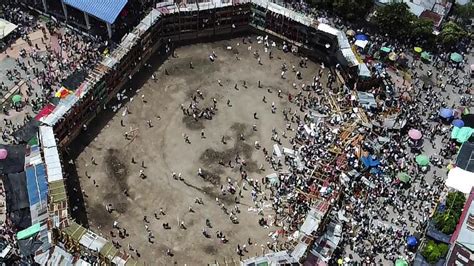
[166, 27]
[169, 26]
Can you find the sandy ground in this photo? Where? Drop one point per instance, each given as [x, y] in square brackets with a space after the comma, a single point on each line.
[163, 150]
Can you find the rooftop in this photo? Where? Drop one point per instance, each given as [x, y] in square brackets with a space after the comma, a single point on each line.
[106, 10]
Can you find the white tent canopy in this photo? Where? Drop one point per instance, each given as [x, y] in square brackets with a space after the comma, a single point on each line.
[361, 43]
[460, 179]
[6, 28]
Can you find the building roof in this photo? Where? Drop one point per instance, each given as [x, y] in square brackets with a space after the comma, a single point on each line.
[460, 256]
[464, 234]
[427, 4]
[433, 16]
[60, 257]
[75, 231]
[36, 184]
[270, 259]
[57, 191]
[465, 157]
[92, 241]
[106, 10]
[415, 9]
[108, 251]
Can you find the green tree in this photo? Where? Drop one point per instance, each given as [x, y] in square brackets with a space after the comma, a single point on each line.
[446, 221]
[351, 9]
[394, 19]
[422, 28]
[451, 34]
[323, 4]
[433, 252]
[464, 13]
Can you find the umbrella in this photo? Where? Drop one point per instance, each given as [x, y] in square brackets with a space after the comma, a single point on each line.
[412, 241]
[62, 93]
[445, 112]
[458, 123]
[456, 57]
[350, 33]
[422, 160]
[392, 56]
[425, 55]
[401, 262]
[418, 49]
[16, 98]
[414, 134]
[3, 154]
[362, 37]
[385, 49]
[403, 177]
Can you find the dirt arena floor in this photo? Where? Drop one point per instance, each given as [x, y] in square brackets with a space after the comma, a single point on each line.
[163, 150]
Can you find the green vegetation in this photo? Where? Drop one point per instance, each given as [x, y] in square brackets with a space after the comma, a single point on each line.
[451, 34]
[348, 9]
[422, 28]
[433, 251]
[394, 19]
[446, 221]
[352, 10]
[464, 13]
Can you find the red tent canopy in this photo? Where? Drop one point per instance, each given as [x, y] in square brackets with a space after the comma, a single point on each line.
[47, 109]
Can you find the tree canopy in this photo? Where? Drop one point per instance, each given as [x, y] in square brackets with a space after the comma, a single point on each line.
[351, 9]
[422, 29]
[447, 220]
[464, 13]
[433, 251]
[394, 19]
[348, 9]
[451, 34]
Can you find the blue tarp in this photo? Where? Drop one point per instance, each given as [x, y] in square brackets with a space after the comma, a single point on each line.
[362, 37]
[106, 10]
[36, 184]
[368, 161]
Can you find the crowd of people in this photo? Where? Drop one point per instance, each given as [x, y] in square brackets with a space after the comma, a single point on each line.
[381, 210]
[42, 64]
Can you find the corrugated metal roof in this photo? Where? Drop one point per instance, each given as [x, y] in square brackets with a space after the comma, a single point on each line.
[57, 191]
[328, 29]
[53, 164]
[109, 251]
[310, 225]
[75, 231]
[47, 136]
[350, 57]
[61, 257]
[36, 183]
[92, 241]
[299, 251]
[149, 20]
[106, 10]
